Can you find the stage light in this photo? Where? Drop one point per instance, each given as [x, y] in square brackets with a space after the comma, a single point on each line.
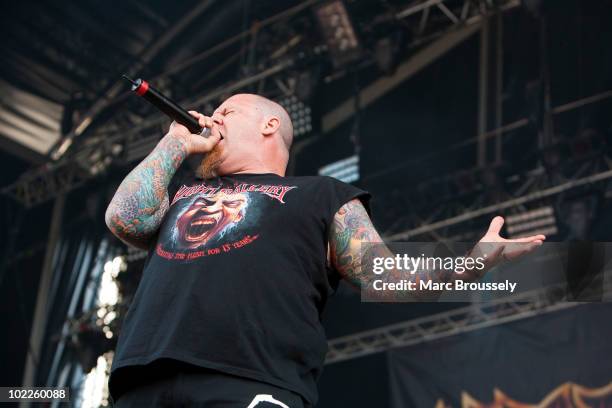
[109, 317]
[95, 390]
[338, 32]
[346, 170]
[299, 113]
[108, 293]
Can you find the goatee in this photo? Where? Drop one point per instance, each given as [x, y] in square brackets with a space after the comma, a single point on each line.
[210, 163]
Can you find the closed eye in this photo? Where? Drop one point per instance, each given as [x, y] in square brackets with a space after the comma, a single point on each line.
[204, 202]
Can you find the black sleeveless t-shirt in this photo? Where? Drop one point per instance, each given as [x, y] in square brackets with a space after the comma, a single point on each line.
[236, 281]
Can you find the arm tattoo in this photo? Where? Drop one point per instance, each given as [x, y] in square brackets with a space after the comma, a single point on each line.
[351, 228]
[141, 201]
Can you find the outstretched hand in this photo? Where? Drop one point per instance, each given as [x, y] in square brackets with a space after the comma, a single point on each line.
[494, 248]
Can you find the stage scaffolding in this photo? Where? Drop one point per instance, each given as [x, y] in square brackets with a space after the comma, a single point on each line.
[445, 324]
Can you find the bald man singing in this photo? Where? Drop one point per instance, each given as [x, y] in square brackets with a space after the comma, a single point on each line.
[241, 262]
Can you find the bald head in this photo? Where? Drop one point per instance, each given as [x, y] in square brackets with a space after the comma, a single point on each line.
[268, 107]
[255, 137]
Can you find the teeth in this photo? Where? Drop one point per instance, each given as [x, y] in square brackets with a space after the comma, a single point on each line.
[207, 221]
[196, 236]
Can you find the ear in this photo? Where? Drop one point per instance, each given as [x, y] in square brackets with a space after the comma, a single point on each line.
[270, 125]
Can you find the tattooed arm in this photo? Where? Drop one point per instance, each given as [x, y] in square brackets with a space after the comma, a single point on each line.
[352, 227]
[141, 201]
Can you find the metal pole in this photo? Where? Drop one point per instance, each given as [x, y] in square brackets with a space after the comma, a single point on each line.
[547, 126]
[499, 85]
[483, 79]
[40, 318]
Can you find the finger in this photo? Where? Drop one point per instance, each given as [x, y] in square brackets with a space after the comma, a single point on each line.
[205, 121]
[539, 237]
[204, 145]
[496, 225]
[528, 239]
[212, 141]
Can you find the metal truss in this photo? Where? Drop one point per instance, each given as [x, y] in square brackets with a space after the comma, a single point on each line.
[47, 182]
[457, 321]
[437, 18]
[534, 189]
[441, 206]
[35, 187]
[434, 33]
[430, 16]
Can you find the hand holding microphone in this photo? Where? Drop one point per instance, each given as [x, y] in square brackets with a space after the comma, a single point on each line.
[192, 127]
[196, 144]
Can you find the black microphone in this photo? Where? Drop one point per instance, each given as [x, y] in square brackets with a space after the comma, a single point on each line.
[167, 105]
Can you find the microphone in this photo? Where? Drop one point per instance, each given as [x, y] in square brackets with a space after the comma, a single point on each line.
[167, 105]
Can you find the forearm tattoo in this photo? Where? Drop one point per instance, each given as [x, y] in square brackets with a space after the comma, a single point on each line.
[350, 234]
[141, 201]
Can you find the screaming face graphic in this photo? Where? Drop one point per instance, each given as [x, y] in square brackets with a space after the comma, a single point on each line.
[207, 217]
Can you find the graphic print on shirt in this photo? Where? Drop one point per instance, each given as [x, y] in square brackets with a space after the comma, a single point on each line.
[208, 220]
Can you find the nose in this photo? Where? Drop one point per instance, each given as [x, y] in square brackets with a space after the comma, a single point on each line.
[212, 208]
[218, 119]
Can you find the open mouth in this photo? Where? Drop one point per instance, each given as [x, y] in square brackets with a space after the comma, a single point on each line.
[200, 228]
[221, 135]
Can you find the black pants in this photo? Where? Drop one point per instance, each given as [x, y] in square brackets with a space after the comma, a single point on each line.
[197, 387]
